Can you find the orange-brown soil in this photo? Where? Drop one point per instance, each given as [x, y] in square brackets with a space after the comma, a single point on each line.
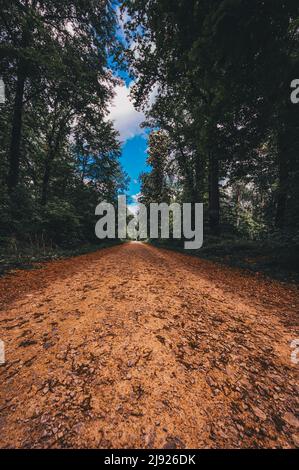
[134, 346]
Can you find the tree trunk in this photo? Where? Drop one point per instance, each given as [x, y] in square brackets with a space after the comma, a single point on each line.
[53, 150]
[238, 198]
[283, 176]
[198, 190]
[16, 134]
[282, 193]
[46, 179]
[14, 156]
[214, 195]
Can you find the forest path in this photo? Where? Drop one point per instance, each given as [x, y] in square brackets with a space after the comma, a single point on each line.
[134, 346]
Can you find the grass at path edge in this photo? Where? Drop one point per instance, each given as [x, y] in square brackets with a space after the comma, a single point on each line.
[29, 258]
[275, 261]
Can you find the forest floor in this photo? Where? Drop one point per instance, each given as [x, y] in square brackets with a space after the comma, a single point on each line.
[26, 256]
[135, 346]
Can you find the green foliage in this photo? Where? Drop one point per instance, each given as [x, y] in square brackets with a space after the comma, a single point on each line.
[59, 154]
[155, 185]
[222, 71]
[61, 222]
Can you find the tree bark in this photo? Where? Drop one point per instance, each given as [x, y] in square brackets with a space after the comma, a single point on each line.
[14, 156]
[46, 178]
[16, 134]
[214, 195]
[53, 150]
[199, 180]
[283, 177]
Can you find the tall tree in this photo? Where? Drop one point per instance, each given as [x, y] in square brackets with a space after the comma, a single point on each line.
[63, 41]
[232, 63]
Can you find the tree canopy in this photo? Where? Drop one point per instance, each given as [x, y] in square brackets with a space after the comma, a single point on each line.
[222, 71]
[59, 152]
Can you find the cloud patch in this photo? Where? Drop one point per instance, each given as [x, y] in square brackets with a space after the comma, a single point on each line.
[126, 118]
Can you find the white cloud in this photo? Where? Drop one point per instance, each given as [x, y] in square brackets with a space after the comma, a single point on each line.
[122, 19]
[126, 119]
[133, 208]
[136, 197]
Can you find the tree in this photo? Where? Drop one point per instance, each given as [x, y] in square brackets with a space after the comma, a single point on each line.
[229, 64]
[65, 42]
[59, 152]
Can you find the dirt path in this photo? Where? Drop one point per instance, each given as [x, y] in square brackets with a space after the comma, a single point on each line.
[138, 347]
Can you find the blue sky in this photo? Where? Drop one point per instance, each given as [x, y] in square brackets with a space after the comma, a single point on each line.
[134, 139]
[133, 161]
[127, 121]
